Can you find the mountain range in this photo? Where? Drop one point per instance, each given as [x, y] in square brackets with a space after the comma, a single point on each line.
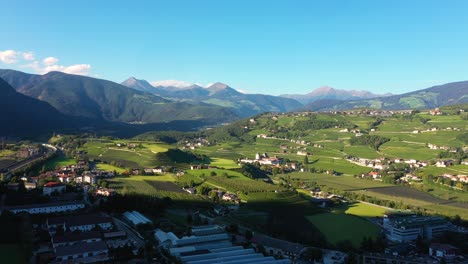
[326, 92]
[81, 96]
[219, 94]
[56, 100]
[436, 96]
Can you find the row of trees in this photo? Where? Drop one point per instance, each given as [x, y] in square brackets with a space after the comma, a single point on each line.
[369, 140]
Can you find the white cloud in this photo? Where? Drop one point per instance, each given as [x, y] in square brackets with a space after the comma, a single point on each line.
[79, 69]
[9, 56]
[28, 60]
[173, 83]
[50, 61]
[29, 56]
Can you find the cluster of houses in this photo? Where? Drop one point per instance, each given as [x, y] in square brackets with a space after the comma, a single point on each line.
[296, 141]
[455, 178]
[357, 132]
[85, 238]
[433, 129]
[444, 163]
[435, 112]
[383, 113]
[435, 147]
[263, 159]
[382, 163]
[195, 143]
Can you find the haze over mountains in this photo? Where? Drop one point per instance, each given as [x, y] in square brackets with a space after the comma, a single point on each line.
[326, 92]
[219, 94]
[436, 96]
[74, 101]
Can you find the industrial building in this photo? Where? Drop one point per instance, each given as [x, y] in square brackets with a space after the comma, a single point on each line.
[210, 244]
[136, 218]
[404, 228]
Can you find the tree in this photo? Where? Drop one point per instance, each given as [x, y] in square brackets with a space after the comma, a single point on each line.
[306, 160]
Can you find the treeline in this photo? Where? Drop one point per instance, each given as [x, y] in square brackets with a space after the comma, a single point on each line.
[373, 141]
[463, 137]
[314, 123]
[253, 171]
[133, 201]
[458, 155]
[179, 156]
[169, 137]
[233, 132]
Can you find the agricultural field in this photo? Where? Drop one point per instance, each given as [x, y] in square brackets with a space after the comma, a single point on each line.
[108, 167]
[7, 153]
[224, 163]
[344, 183]
[407, 150]
[143, 155]
[155, 186]
[338, 227]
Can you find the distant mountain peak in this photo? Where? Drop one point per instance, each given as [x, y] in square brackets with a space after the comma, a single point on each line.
[218, 86]
[172, 83]
[140, 85]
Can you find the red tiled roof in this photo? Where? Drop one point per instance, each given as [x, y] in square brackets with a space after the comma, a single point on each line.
[52, 184]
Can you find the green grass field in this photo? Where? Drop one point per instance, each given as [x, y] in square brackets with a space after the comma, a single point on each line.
[339, 227]
[108, 167]
[6, 153]
[224, 163]
[363, 210]
[59, 162]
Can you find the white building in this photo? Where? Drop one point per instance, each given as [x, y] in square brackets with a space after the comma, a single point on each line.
[51, 187]
[404, 228]
[47, 208]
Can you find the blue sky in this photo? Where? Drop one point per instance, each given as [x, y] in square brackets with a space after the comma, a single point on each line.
[271, 47]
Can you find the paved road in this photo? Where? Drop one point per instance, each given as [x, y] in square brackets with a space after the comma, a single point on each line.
[131, 233]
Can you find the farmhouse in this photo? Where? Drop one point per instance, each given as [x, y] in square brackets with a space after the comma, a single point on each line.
[375, 175]
[444, 163]
[229, 197]
[105, 192]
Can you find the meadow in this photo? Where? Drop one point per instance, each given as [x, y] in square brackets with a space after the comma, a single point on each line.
[362, 209]
[338, 227]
